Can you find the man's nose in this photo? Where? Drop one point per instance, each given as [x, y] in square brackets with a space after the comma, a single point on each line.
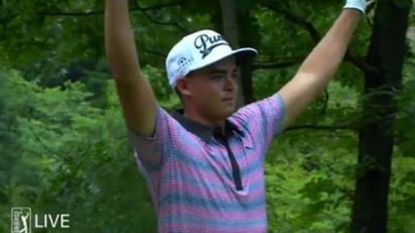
[231, 83]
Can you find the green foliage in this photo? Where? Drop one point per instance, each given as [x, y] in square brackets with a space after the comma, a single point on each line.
[71, 159]
[63, 144]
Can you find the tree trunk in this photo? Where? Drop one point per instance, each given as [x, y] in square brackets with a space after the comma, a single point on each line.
[230, 28]
[239, 31]
[248, 37]
[376, 140]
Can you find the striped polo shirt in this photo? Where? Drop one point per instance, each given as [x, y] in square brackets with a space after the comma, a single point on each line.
[204, 181]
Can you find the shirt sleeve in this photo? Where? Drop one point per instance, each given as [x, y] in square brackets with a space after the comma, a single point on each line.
[264, 118]
[150, 151]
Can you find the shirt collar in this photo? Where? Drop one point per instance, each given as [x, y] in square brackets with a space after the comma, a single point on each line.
[203, 131]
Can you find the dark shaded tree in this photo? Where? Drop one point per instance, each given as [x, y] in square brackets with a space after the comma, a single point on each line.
[376, 138]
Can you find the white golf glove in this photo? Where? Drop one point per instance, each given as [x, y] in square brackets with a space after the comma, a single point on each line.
[356, 4]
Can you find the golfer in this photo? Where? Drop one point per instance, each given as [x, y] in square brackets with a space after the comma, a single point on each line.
[204, 163]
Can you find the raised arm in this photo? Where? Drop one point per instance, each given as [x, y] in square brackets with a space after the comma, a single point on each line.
[135, 93]
[319, 67]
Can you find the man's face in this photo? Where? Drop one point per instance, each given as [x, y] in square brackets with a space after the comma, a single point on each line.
[212, 91]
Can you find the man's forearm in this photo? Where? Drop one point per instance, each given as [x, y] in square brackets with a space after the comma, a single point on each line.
[136, 96]
[319, 67]
[326, 57]
[119, 39]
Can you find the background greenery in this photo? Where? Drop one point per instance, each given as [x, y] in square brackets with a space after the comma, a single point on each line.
[63, 145]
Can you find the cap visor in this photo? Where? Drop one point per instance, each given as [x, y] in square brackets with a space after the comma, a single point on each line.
[244, 55]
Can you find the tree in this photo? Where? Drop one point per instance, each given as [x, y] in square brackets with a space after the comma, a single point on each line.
[63, 145]
[376, 136]
[231, 32]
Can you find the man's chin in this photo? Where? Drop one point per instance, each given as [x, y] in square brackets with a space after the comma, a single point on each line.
[228, 111]
[224, 112]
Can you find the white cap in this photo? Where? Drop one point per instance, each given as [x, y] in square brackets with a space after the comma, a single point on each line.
[198, 50]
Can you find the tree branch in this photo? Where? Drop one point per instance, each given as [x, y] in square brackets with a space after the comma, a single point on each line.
[309, 27]
[316, 37]
[276, 64]
[175, 24]
[343, 126]
[137, 8]
[360, 63]
[312, 31]
[156, 53]
[100, 12]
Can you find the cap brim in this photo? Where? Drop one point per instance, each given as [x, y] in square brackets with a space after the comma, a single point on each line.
[244, 55]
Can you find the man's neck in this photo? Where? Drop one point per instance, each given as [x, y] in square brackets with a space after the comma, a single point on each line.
[203, 120]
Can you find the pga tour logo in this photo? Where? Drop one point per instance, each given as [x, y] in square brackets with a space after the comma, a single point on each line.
[21, 220]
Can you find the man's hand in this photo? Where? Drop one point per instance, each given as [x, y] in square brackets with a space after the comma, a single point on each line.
[356, 4]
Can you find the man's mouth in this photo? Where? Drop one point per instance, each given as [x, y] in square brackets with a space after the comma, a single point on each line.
[228, 99]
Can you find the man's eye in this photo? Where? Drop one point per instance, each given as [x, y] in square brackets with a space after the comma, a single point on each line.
[216, 77]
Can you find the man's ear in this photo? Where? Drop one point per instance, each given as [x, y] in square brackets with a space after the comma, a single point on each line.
[182, 86]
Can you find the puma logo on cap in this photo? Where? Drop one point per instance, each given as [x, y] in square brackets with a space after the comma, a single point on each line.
[206, 43]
